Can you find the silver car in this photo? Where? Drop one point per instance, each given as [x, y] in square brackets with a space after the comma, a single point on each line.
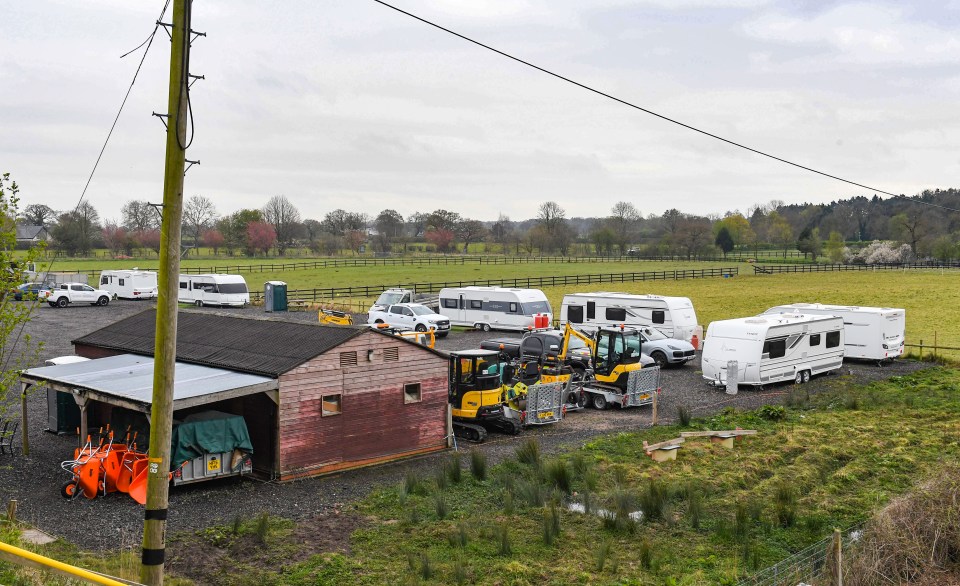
[665, 351]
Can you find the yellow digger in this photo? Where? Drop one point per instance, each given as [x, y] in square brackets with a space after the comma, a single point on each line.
[332, 317]
[476, 395]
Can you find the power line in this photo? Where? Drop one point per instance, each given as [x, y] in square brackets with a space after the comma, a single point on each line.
[640, 108]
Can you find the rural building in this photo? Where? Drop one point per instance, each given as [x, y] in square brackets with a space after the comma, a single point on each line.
[31, 234]
[315, 398]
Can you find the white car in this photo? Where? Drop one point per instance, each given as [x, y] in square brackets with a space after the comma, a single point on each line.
[67, 293]
[411, 316]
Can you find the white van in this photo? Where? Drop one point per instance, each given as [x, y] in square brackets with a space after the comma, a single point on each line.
[130, 284]
[674, 316]
[869, 333]
[499, 308]
[203, 290]
[772, 348]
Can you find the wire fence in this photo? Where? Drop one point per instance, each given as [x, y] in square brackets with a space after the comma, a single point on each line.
[366, 291]
[808, 566]
[827, 268]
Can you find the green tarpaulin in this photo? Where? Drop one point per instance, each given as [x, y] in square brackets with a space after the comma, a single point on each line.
[209, 432]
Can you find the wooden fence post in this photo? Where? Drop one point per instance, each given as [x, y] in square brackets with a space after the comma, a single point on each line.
[12, 511]
[838, 558]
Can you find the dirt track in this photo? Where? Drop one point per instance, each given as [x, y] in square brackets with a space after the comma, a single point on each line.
[116, 520]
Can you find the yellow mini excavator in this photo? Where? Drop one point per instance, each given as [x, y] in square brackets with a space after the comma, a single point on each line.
[339, 318]
[475, 395]
[614, 354]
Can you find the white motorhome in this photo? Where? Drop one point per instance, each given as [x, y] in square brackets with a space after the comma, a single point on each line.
[772, 348]
[130, 284]
[499, 308]
[869, 333]
[674, 316]
[203, 290]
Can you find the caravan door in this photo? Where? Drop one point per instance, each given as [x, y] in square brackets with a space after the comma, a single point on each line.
[461, 309]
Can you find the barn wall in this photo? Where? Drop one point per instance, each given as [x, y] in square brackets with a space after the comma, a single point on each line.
[375, 424]
[93, 352]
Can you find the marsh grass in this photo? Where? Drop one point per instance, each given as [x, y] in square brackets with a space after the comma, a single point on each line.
[529, 452]
[602, 554]
[558, 472]
[478, 465]
[454, 470]
[684, 415]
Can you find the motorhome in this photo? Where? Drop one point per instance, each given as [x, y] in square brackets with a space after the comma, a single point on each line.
[203, 290]
[772, 348]
[130, 284]
[674, 316]
[869, 333]
[495, 308]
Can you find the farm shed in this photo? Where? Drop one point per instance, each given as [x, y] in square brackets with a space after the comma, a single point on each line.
[345, 396]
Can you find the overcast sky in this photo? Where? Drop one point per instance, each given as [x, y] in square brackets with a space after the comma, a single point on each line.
[348, 104]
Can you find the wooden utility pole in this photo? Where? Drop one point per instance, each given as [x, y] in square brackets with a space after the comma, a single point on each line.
[165, 347]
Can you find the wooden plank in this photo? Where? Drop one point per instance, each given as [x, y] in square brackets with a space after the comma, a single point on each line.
[718, 433]
[665, 444]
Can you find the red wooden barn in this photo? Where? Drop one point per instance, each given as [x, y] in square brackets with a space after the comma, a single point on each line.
[345, 396]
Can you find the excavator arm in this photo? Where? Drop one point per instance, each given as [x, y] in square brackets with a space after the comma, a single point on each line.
[568, 332]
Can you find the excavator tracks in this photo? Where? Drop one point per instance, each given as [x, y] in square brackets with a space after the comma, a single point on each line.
[469, 431]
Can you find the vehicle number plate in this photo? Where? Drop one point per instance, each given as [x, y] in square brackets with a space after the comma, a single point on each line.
[213, 465]
[545, 414]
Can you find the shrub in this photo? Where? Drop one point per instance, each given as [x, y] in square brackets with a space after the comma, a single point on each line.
[645, 554]
[459, 572]
[772, 412]
[603, 553]
[262, 529]
[531, 492]
[426, 569]
[508, 504]
[454, 472]
[237, 525]
[440, 505]
[559, 473]
[683, 415]
[503, 540]
[440, 477]
[478, 465]
[694, 509]
[619, 474]
[411, 483]
[851, 402]
[618, 517]
[654, 500]
[580, 464]
[458, 538]
[785, 499]
[529, 452]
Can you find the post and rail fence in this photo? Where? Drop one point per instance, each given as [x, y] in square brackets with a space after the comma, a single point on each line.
[770, 269]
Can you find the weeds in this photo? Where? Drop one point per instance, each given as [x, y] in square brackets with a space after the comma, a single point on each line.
[797, 398]
[411, 483]
[531, 493]
[426, 568]
[772, 412]
[529, 453]
[458, 538]
[619, 518]
[587, 498]
[619, 474]
[580, 464]
[654, 500]
[559, 473]
[459, 572]
[785, 505]
[603, 553]
[440, 477]
[478, 465]
[503, 540]
[741, 521]
[684, 415]
[591, 480]
[851, 402]
[262, 528]
[454, 472]
[508, 504]
[694, 508]
[645, 554]
[440, 505]
[237, 526]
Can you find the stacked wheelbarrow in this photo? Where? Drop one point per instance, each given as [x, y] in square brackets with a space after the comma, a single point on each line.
[106, 467]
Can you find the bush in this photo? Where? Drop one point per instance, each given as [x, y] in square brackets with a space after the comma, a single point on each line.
[459, 536]
[604, 549]
[772, 412]
[785, 499]
[531, 492]
[454, 472]
[440, 505]
[529, 452]
[478, 465]
[503, 540]
[654, 500]
[559, 473]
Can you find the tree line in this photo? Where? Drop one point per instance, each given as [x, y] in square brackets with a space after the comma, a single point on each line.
[927, 223]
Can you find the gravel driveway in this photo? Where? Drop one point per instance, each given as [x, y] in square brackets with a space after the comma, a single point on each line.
[116, 521]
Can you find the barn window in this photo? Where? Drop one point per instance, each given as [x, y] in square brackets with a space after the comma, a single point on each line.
[833, 339]
[330, 405]
[814, 340]
[348, 359]
[391, 354]
[411, 393]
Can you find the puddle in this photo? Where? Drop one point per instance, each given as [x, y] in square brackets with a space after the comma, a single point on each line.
[580, 508]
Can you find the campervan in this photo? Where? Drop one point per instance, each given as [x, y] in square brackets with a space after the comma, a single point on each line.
[130, 284]
[674, 316]
[499, 308]
[869, 333]
[772, 348]
[203, 290]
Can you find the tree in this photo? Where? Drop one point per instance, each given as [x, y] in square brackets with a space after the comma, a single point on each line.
[779, 231]
[624, 219]
[724, 240]
[16, 353]
[285, 219]
[945, 248]
[417, 222]
[739, 229]
[389, 225]
[550, 215]
[440, 237]
[469, 231]
[116, 239]
[312, 228]
[603, 239]
[199, 213]
[502, 230]
[909, 227]
[339, 222]
[261, 236]
[76, 231]
[234, 229]
[149, 239]
[139, 216]
[212, 238]
[443, 220]
[835, 247]
[354, 238]
[37, 214]
[810, 243]
[692, 235]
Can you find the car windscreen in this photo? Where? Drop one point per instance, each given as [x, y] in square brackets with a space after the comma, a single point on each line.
[421, 310]
[387, 298]
[653, 334]
[532, 307]
[232, 287]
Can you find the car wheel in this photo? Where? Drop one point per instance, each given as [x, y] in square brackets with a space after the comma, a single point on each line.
[806, 376]
[799, 378]
[598, 401]
[421, 328]
[103, 300]
[62, 302]
[660, 359]
[379, 321]
[485, 327]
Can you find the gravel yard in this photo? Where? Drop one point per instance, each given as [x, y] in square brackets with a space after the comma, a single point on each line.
[115, 521]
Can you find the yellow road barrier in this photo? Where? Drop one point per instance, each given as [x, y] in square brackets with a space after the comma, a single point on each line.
[15, 555]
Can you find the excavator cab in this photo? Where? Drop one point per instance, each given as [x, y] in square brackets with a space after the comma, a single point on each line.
[475, 393]
[616, 353]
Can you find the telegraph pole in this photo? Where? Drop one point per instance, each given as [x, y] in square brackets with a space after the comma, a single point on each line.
[165, 347]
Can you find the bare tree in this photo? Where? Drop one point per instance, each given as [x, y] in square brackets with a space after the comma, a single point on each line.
[199, 214]
[285, 218]
[624, 219]
[139, 216]
[470, 231]
[550, 215]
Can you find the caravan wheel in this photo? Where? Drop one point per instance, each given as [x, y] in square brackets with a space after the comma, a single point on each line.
[199, 303]
[485, 327]
[798, 380]
[806, 376]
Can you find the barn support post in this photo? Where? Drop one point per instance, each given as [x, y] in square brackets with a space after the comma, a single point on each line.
[82, 402]
[24, 436]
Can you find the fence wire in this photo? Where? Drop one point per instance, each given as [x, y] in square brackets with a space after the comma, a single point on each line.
[807, 566]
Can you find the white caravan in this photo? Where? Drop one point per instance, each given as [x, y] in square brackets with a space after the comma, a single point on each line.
[203, 290]
[499, 308]
[869, 333]
[674, 316]
[130, 284]
[772, 348]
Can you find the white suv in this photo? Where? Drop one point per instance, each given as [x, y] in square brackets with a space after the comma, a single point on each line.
[411, 316]
[67, 293]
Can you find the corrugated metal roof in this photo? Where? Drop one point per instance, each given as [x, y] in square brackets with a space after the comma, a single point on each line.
[244, 344]
[130, 377]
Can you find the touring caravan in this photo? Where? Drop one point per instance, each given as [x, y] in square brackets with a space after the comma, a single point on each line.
[869, 333]
[674, 316]
[203, 290]
[498, 308]
[130, 284]
[772, 348]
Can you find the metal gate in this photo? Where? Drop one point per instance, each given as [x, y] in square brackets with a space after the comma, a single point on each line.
[642, 385]
[544, 403]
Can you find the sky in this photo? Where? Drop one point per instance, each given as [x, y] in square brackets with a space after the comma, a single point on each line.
[349, 104]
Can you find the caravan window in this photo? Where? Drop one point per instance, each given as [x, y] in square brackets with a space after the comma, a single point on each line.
[575, 314]
[814, 340]
[104, 280]
[533, 307]
[232, 288]
[120, 282]
[616, 314]
[449, 303]
[658, 316]
[514, 308]
[775, 348]
[476, 304]
[591, 309]
[183, 284]
[833, 339]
